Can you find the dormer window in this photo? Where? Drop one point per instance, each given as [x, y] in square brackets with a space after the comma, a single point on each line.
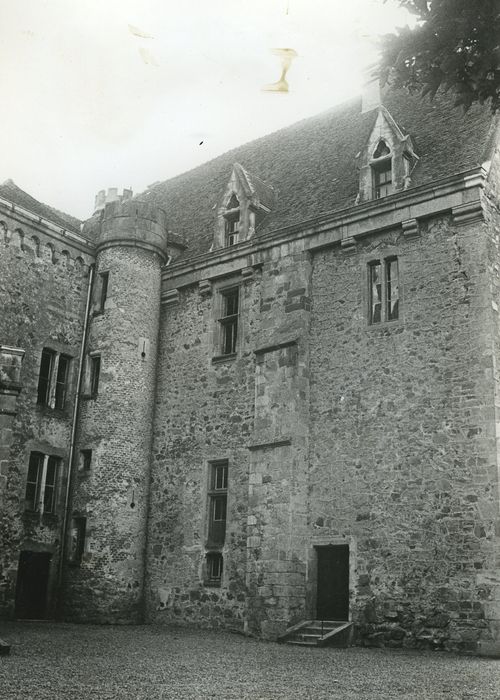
[232, 224]
[387, 160]
[382, 170]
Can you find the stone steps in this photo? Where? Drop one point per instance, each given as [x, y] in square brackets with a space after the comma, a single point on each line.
[318, 633]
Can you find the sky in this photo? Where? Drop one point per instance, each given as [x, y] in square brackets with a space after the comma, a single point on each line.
[124, 93]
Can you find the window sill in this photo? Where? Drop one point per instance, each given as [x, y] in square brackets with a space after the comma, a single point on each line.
[83, 473]
[218, 359]
[88, 397]
[212, 584]
[385, 325]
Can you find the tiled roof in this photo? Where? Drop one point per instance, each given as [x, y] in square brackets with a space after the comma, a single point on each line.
[10, 191]
[312, 168]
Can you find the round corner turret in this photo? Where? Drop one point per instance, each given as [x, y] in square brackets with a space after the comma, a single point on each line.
[133, 223]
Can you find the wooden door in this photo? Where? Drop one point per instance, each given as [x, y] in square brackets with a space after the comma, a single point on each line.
[32, 584]
[333, 583]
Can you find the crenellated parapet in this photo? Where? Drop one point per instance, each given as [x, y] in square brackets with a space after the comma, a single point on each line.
[133, 224]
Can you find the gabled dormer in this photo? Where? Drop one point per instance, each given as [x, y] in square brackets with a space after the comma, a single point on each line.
[387, 160]
[246, 201]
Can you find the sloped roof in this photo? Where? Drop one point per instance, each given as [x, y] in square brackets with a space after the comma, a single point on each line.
[311, 165]
[10, 191]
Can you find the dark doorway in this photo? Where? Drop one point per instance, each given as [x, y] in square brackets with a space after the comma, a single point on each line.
[333, 583]
[32, 583]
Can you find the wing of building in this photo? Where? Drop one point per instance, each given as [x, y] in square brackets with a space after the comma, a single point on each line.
[265, 392]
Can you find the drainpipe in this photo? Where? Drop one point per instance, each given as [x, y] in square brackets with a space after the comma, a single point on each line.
[64, 528]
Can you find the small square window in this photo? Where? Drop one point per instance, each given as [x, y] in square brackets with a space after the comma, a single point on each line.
[85, 460]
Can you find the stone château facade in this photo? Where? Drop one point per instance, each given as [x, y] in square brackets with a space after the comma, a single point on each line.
[266, 390]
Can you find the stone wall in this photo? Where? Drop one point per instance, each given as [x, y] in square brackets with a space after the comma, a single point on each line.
[43, 286]
[403, 456]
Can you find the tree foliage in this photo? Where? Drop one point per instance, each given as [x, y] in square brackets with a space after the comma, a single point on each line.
[455, 45]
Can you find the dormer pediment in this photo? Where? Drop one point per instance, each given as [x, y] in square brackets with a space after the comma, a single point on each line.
[245, 202]
[387, 160]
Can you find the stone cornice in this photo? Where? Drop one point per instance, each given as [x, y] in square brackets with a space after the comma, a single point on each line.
[341, 227]
[64, 236]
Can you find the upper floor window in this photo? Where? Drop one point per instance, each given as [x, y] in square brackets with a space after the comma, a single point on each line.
[41, 483]
[53, 379]
[229, 320]
[85, 460]
[383, 290]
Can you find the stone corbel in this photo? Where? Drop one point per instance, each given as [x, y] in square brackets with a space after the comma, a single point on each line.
[171, 297]
[247, 273]
[411, 228]
[205, 288]
[348, 245]
[467, 213]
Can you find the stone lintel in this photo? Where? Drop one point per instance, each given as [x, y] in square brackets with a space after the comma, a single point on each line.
[276, 346]
[411, 228]
[279, 442]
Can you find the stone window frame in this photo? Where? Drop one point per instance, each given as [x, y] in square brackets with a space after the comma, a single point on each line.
[39, 464]
[217, 492]
[93, 372]
[383, 260]
[52, 389]
[101, 292]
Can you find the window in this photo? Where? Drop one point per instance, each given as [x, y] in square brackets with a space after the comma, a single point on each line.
[101, 292]
[382, 179]
[53, 379]
[85, 460]
[229, 321]
[214, 567]
[95, 370]
[78, 531]
[382, 170]
[383, 290]
[232, 223]
[232, 231]
[41, 483]
[217, 505]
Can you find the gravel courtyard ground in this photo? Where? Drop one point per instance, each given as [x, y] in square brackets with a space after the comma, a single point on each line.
[77, 662]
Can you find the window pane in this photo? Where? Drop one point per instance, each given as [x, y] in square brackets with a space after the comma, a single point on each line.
[219, 476]
[86, 459]
[50, 484]
[392, 284]
[230, 332]
[219, 508]
[33, 480]
[62, 381]
[46, 365]
[231, 303]
[375, 293]
[214, 566]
